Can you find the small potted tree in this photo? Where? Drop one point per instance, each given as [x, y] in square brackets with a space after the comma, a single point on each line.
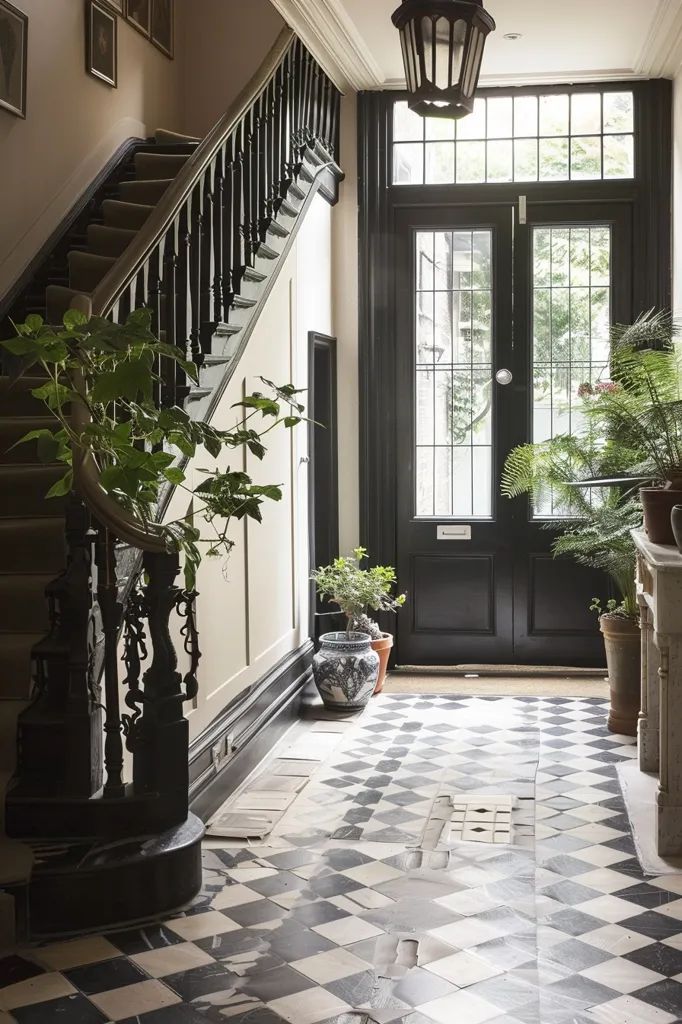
[351, 666]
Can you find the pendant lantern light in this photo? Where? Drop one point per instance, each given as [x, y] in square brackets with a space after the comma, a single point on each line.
[442, 43]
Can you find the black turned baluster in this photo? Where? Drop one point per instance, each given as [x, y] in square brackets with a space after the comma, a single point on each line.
[156, 306]
[111, 610]
[170, 297]
[196, 260]
[184, 298]
[242, 169]
[82, 753]
[216, 201]
[335, 130]
[162, 733]
[286, 174]
[247, 188]
[229, 226]
[265, 144]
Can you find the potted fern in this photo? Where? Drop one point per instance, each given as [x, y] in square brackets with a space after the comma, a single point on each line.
[596, 533]
[344, 672]
[641, 412]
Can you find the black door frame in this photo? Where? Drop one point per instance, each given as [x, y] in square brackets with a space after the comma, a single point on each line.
[648, 196]
[323, 468]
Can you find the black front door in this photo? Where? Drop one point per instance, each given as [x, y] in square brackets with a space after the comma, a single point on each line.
[500, 318]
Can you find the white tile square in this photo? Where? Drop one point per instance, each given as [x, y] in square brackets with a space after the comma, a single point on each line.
[330, 966]
[622, 975]
[62, 956]
[133, 1000]
[600, 856]
[469, 901]
[234, 896]
[159, 963]
[35, 990]
[465, 934]
[347, 930]
[374, 873]
[202, 926]
[309, 1007]
[463, 969]
[673, 909]
[628, 1010]
[604, 880]
[617, 940]
[459, 1006]
[608, 908]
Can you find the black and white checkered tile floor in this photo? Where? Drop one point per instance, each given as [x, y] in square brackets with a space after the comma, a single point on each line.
[356, 909]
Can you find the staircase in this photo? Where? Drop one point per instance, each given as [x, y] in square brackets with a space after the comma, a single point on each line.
[196, 231]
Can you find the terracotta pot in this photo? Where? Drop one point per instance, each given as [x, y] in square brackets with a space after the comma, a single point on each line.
[383, 648]
[676, 523]
[658, 503]
[622, 640]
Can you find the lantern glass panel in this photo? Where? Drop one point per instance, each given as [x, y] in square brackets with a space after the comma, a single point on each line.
[427, 31]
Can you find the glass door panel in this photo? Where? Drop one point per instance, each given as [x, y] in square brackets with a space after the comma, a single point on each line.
[453, 374]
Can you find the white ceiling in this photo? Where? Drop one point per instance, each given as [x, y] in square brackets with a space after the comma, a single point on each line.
[562, 40]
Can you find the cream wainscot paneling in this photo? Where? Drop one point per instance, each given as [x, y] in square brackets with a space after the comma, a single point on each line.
[252, 607]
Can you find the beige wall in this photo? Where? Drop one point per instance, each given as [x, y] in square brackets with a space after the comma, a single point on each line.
[225, 41]
[345, 298]
[74, 125]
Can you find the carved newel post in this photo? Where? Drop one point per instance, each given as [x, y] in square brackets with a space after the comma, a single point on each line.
[159, 738]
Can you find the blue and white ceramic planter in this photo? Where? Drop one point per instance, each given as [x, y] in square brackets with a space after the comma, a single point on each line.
[346, 670]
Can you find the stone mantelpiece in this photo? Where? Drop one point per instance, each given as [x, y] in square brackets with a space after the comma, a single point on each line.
[659, 593]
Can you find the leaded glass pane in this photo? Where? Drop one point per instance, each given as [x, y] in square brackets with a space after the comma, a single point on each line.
[453, 388]
[555, 137]
[571, 319]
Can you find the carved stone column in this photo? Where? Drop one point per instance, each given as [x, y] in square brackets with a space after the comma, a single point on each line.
[648, 726]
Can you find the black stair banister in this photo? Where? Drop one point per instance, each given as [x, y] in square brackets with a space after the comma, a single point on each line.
[203, 260]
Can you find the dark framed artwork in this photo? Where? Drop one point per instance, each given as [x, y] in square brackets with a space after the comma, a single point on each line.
[139, 15]
[116, 5]
[13, 59]
[102, 42]
[163, 26]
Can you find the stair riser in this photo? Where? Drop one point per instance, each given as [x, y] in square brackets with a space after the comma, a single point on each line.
[32, 546]
[158, 166]
[130, 216]
[23, 492]
[18, 401]
[87, 270]
[22, 599]
[15, 663]
[147, 192]
[11, 431]
[225, 346]
[105, 241]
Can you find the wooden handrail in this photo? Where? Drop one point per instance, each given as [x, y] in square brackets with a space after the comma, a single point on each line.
[123, 271]
[122, 275]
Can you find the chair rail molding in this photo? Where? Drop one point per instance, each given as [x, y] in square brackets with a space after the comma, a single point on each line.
[661, 54]
[332, 38]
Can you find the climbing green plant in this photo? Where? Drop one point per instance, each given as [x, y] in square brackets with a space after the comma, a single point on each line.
[115, 371]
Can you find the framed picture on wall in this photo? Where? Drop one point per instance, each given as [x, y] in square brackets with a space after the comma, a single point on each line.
[163, 35]
[139, 14]
[101, 42]
[117, 5]
[13, 59]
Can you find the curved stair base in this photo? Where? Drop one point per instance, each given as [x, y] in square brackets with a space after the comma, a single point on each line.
[91, 886]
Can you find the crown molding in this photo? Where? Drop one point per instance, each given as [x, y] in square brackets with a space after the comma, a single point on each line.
[332, 38]
[661, 53]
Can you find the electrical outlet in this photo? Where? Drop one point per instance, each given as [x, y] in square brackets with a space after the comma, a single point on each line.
[229, 744]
